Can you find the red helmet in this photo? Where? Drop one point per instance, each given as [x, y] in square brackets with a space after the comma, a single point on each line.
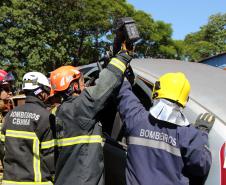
[62, 77]
[2, 74]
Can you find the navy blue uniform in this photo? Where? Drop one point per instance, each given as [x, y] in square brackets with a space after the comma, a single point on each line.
[160, 153]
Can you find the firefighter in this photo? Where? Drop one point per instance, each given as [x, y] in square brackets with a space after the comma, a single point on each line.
[163, 148]
[79, 133]
[29, 157]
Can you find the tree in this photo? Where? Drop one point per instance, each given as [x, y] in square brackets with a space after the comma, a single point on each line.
[156, 37]
[209, 41]
[42, 35]
[24, 38]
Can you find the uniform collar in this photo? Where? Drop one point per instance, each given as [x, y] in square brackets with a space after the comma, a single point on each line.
[33, 99]
[165, 110]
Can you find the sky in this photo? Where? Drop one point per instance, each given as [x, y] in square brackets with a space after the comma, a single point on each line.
[185, 16]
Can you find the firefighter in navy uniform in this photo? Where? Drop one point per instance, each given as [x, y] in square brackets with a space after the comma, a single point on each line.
[163, 148]
[79, 133]
[29, 156]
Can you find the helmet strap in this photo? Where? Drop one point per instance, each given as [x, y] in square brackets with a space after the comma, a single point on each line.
[73, 88]
[40, 89]
[76, 87]
[37, 91]
[155, 94]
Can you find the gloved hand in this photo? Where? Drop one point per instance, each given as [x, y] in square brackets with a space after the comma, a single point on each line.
[205, 122]
[129, 74]
[124, 57]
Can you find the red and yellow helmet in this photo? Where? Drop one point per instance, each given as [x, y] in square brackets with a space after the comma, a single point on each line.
[61, 78]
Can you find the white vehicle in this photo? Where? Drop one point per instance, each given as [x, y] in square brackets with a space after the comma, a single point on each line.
[208, 94]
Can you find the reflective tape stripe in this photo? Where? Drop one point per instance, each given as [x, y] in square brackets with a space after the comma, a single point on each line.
[36, 161]
[21, 134]
[117, 63]
[48, 144]
[2, 138]
[36, 155]
[155, 144]
[6, 182]
[79, 140]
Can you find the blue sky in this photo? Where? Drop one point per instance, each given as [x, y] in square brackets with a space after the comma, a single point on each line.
[185, 16]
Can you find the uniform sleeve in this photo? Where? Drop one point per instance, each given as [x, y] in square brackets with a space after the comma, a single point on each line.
[93, 99]
[195, 152]
[3, 122]
[130, 108]
[47, 141]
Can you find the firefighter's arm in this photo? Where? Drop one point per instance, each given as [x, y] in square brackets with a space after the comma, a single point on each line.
[47, 143]
[129, 106]
[203, 123]
[196, 154]
[109, 81]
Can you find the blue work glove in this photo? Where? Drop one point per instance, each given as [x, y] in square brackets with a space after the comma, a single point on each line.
[205, 122]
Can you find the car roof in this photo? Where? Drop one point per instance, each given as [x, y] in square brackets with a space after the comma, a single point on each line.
[208, 83]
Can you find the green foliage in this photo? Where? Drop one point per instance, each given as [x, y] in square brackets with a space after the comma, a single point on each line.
[209, 41]
[24, 39]
[156, 36]
[41, 35]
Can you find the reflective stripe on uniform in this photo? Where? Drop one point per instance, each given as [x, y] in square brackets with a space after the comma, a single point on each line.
[79, 140]
[48, 144]
[6, 182]
[36, 161]
[117, 63]
[36, 155]
[21, 134]
[154, 144]
[2, 137]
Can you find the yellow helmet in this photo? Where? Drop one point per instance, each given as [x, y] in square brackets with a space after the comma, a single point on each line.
[172, 86]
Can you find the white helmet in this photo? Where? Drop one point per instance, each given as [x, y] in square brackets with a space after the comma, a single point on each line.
[33, 80]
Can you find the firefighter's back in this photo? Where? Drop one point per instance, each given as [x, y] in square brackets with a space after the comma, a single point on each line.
[24, 128]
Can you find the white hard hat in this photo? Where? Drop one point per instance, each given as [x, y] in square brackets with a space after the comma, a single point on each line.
[33, 80]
